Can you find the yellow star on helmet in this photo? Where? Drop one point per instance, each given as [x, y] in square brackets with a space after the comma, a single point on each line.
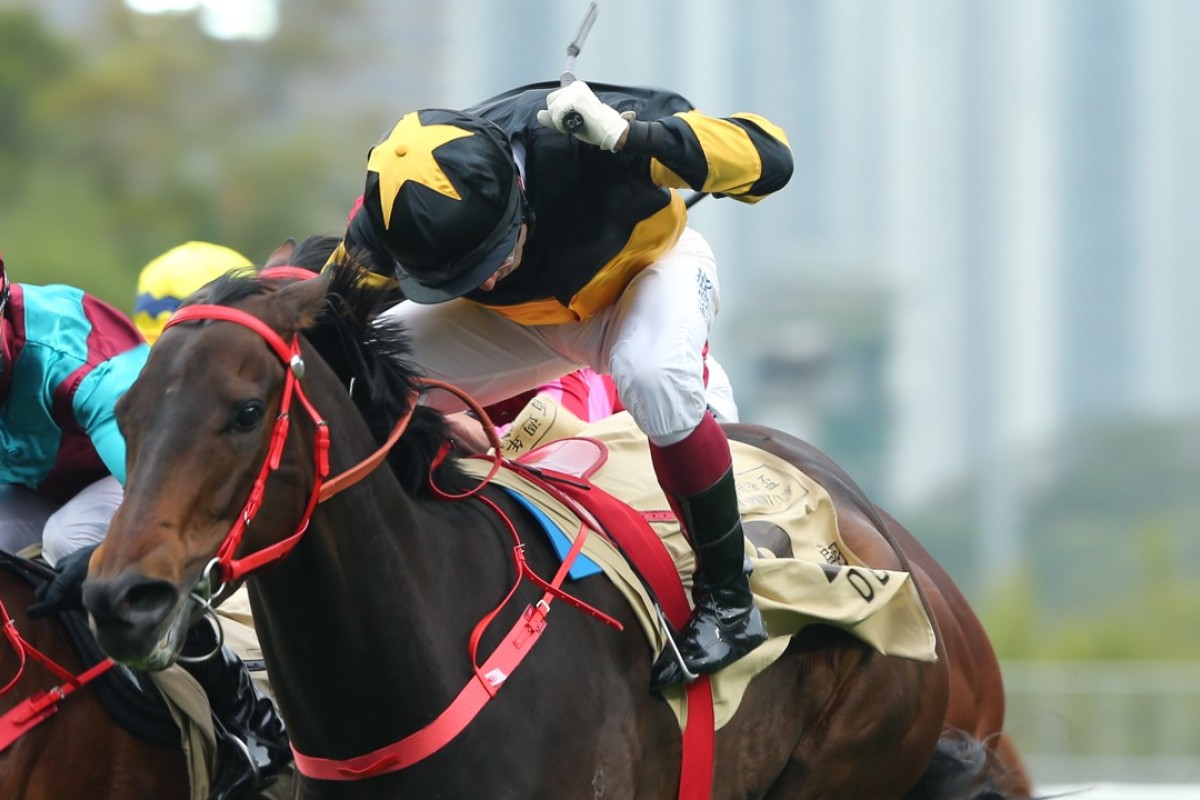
[407, 155]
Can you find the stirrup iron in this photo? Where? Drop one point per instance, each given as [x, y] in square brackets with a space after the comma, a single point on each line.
[688, 675]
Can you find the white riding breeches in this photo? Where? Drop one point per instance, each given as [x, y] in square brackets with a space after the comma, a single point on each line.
[651, 341]
[27, 518]
[82, 520]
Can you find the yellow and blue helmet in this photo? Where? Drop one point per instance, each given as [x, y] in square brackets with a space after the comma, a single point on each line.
[167, 280]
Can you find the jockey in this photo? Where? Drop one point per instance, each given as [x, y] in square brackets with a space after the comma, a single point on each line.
[66, 357]
[527, 252]
[168, 279]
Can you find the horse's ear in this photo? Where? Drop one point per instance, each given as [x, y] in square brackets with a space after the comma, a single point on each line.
[298, 304]
[282, 255]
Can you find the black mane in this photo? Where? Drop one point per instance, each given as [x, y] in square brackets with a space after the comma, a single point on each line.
[372, 359]
[313, 252]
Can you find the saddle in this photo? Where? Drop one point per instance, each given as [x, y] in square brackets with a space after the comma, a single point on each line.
[804, 573]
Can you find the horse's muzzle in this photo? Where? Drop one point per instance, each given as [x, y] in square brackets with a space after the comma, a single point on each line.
[135, 618]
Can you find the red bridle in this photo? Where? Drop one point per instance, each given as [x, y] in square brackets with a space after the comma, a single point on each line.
[231, 568]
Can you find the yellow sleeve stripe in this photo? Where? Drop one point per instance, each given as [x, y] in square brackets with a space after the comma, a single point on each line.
[340, 257]
[662, 175]
[733, 161]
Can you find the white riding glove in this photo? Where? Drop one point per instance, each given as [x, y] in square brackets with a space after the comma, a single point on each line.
[602, 125]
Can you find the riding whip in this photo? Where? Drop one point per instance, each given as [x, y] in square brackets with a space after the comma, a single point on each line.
[573, 120]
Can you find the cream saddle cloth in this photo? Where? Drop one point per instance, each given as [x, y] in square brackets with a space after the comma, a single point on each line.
[803, 571]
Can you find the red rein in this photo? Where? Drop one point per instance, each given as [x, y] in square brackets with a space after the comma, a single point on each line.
[33, 710]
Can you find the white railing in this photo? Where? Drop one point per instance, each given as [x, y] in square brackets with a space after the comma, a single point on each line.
[1085, 722]
[1122, 791]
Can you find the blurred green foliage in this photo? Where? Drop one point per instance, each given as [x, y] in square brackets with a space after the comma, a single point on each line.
[148, 133]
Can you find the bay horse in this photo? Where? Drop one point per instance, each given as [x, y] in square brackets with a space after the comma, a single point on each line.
[79, 751]
[367, 603]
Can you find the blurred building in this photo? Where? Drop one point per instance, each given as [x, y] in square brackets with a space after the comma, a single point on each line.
[1039, 183]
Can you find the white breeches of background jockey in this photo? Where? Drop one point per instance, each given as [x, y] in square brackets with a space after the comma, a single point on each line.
[651, 341]
[27, 518]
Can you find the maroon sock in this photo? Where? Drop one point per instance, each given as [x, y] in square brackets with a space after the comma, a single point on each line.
[689, 467]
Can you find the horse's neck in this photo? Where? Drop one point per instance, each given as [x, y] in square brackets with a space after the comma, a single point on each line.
[369, 616]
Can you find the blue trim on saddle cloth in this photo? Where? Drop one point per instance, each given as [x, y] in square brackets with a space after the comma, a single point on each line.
[583, 566]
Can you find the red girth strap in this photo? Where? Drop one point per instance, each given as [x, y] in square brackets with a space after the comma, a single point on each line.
[641, 545]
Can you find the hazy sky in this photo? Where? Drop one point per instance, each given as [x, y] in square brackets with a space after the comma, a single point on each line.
[223, 19]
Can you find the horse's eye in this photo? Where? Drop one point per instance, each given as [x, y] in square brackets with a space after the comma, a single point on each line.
[249, 415]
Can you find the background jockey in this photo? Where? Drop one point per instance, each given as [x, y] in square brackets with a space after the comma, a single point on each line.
[168, 279]
[527, 253]
[66, 357]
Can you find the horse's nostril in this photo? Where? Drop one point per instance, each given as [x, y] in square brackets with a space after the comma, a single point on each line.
[130, 600]
[150, 599]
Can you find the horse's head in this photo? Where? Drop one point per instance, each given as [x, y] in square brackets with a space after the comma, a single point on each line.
[199, 424]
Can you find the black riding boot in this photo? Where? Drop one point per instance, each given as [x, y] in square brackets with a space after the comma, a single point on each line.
[252, 745]
[725, 625]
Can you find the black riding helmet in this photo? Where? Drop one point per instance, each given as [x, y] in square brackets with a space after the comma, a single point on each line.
[443, 200]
